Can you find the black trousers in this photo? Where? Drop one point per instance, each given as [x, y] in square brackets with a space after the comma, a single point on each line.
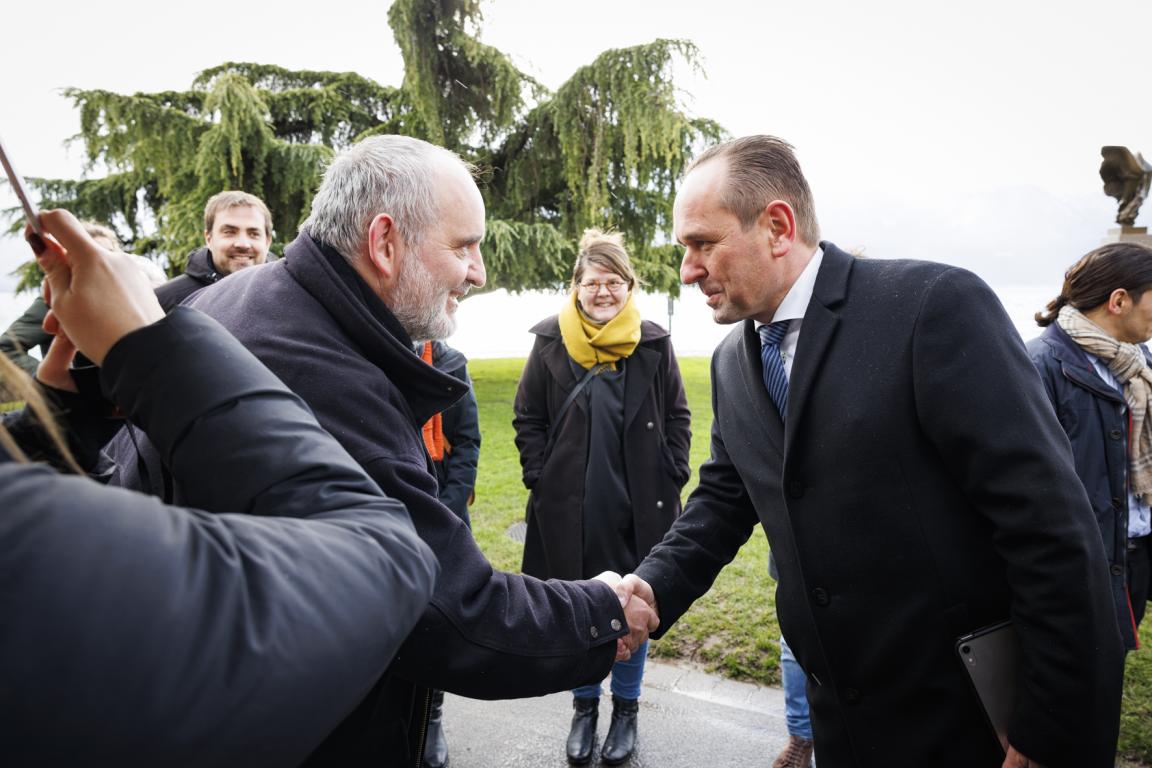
[1139, 574]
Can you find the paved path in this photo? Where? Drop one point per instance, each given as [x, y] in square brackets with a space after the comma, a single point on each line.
[688, 719]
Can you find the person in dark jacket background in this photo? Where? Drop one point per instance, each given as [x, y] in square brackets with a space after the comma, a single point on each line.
[1096, 372]
[391, 244]
[603, 429]
[137, 633]
[452, 439]
[237, 234]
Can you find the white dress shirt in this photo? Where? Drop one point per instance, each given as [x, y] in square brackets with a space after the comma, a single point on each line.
[792, 308]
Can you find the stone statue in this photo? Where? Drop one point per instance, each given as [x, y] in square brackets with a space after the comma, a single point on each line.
[1126, 178]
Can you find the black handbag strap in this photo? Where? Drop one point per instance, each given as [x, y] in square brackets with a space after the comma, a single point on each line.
[569, 400]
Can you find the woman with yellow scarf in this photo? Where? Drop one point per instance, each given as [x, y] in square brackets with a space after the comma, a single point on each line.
[603, 430]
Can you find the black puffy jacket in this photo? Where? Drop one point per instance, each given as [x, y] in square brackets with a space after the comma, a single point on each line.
[135, 633]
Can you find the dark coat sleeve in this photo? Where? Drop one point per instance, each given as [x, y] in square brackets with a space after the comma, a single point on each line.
[150, 634]
[484, 634]
[717, 520]
[531, 419]
[462, 431]
[25, 333]
[493, 635]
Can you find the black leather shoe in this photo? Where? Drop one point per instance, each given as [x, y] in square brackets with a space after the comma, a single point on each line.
[435, 747]
[621, 739]
[582, 737]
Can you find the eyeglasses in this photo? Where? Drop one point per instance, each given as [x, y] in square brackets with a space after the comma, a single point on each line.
[594, 286]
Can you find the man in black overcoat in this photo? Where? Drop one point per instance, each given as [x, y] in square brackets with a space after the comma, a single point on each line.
[915, 486]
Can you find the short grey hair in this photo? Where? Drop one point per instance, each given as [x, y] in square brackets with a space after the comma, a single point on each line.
[395, 175]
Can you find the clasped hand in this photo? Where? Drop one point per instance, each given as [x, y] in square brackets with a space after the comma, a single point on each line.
[639, 604]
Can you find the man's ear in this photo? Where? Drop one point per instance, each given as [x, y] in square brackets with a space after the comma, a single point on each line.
[778, 221]
[383, 239]
[1118, 300]
[207, 237]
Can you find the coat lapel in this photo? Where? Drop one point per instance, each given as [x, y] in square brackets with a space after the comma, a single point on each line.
[1075, 366]
[763, 411]
[818, 330]
[640, 369]
[556, 359]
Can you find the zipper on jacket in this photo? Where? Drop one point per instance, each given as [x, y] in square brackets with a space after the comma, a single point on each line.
[424, 727]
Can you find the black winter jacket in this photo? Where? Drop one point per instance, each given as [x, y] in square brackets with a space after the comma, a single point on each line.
[656, 437]
[314, 322]
[136, 633]
[200, 272]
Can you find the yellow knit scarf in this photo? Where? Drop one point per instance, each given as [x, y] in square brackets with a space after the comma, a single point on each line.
[589, 343]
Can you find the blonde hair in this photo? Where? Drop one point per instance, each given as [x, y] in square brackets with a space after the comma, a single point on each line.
[96, 230]
[605, 250]
[19, 384]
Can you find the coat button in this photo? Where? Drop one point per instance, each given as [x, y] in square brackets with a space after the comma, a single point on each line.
[1117, 570]
[1115, 434]
[851, 696]
[1116, 502]
[649, 425]
[659, 505]
[615, 625]
[820, 595]
[795, 489]
[594, 632]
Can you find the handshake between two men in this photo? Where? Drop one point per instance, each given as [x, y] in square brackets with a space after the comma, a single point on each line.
[639, 604]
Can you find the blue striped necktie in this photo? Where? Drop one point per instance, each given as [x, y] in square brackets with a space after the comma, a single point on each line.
[775, 379]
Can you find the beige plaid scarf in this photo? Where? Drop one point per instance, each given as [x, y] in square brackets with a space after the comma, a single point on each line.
[1127, 364]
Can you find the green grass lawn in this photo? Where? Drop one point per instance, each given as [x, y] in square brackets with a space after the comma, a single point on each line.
[732, 629]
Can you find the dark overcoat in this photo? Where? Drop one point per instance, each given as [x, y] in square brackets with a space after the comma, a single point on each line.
[922, 488]
[657, 435]
[1095, 418]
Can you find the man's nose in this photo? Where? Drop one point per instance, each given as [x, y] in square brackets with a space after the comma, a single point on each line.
[477, 275]
[691, 270]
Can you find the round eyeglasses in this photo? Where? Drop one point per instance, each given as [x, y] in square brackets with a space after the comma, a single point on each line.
[594, 286]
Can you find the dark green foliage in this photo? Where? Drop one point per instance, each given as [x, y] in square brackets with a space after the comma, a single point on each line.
[458, 87]
[605, 150]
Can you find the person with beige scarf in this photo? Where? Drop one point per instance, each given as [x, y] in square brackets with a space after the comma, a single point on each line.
[1096, 372]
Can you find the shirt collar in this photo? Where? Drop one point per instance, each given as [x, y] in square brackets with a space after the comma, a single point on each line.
[796, 301]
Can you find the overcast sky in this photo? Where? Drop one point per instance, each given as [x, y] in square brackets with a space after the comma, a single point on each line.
[960, 132]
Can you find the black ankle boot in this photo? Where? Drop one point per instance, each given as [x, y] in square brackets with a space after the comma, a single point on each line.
[582, 737]
[621, 738]
[435, 747]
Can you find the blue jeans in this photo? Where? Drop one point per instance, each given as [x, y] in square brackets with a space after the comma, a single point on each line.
[795, 695]
[626, 678]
